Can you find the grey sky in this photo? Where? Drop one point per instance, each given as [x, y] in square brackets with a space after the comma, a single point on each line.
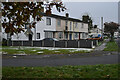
[107, 10]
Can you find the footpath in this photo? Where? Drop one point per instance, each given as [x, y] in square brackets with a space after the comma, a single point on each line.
[102, 46]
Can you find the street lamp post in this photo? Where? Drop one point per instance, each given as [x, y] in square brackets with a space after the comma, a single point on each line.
[102, 27]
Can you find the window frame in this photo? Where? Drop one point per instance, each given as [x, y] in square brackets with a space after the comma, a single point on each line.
[48, 21]
[66, 23]
[70, 25]
[48, 34]
[60, 35]
[82, 25]
[38, 35]
[76, 24]
[59, 22]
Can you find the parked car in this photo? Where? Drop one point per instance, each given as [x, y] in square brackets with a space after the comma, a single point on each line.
[50, 39]
[94, 38]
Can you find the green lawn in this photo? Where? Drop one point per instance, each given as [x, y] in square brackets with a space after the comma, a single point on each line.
[24, 50]
[111, 46]
[87, 71]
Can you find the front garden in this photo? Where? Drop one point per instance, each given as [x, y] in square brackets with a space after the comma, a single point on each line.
[86, 71]
[40, 51]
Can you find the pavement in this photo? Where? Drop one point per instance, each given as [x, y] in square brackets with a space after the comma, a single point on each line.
[98, 56]
[101, 47]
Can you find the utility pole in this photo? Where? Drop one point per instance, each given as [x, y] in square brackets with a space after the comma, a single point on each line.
[35, 33]
[0, 26]
[102, 26]
[119, 18]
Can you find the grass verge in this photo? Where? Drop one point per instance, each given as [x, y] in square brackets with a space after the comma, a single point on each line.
[111, 46]
[86, 71]
[13, 50]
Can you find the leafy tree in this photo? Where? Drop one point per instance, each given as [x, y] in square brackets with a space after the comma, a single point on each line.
[111, 28]
[15, 15]
[87, 19]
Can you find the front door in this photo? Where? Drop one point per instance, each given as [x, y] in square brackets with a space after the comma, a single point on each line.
[30, 37]
[70, 35]
[79, 36]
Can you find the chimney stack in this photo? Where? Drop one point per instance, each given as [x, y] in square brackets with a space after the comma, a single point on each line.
[67, 15]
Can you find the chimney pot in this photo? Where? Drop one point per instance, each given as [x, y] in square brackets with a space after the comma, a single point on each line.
[67, 15]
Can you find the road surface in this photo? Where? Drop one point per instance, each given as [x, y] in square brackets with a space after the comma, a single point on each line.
[60, 60]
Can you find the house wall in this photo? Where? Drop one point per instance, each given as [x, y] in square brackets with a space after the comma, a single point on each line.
[83, 28]
[116, 34]
[70, 29]
[62, 27]
[42, 27]
[20, 36]
[95, 32]
[76, 29]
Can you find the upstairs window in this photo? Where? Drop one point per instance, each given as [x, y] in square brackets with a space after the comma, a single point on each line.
[70, 25]
[26, 26]
[66, 23]
[76, 24]
[48, 21]
[59, 22]
[82, 25]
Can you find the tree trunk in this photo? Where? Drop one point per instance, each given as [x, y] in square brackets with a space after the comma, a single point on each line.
[112, 36]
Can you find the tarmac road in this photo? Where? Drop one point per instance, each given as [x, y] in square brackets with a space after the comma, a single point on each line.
[59, 60]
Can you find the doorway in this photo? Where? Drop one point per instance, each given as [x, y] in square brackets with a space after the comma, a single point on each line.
[70, 36]
[30, 37]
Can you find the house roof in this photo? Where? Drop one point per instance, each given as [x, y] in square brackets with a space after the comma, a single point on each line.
[62, 17]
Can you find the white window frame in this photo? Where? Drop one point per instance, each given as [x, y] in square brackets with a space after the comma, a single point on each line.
[60, 35]
[76, 35]
[48, 21]
[48, 34]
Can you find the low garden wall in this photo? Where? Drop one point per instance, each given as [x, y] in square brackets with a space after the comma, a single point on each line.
[61, 43]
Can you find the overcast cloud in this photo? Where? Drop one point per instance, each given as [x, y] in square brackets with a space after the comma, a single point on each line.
[107, 10]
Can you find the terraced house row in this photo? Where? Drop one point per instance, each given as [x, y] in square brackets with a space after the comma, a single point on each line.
[55, 26]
